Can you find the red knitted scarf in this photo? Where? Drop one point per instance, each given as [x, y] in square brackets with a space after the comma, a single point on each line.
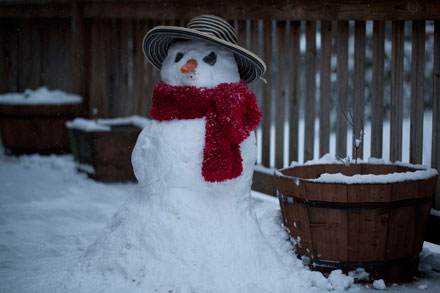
[231, 113]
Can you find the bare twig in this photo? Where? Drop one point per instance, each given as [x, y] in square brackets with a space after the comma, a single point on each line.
[356, 142]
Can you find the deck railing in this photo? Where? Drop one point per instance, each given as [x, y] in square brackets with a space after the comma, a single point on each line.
[325, 61]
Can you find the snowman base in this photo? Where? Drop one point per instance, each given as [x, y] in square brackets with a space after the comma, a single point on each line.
[178, 231]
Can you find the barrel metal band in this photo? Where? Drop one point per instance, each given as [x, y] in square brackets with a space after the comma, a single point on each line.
[354, 265]
[354, 205]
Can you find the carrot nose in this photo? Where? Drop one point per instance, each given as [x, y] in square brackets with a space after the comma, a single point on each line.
[190, 65]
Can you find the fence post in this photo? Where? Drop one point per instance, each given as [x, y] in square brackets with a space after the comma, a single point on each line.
[325, 87]
[396, 101]
[309, 113]
[377, 88]
[359, 85]
[79, 58]
[342, 98]
[417, 80]
[435, 158]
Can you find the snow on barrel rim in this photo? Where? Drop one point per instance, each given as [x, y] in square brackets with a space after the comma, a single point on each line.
[421, 172]
[104, 124]
[40, 96]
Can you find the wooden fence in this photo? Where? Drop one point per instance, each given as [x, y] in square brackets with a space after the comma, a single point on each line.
[94, 48]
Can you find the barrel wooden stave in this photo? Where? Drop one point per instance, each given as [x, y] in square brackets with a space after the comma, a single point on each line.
[40, 129]
[376, 226]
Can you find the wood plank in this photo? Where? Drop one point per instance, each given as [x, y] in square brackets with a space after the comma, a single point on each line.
[377, 86]
[114, 68]
[99, 62]
[325, 87]
[401, 233]
[266, 99]
[297, 221]
[342, 84]
[417, 99]
[396, 99]
[264, 182]
[79, 55]
[432, 234]
[359, 86]
[45, 55]
[58, 67]
[240, 26]
[156, 72]
[435, 157]
[367, 234]
[125, 96]
[309, 111]
[293, 100]
[140, 90]
[36, 55]
[36, 10]
[5, 58]
[280, 107]
[278, 9]
[421, 219]
[329, 233]
[255, 28]
[148, 73]
[252, 45]
[24, 70]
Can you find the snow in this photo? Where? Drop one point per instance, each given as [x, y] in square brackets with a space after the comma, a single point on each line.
[379, 284]
[50, 214]
[370, 178]
[435, 213]
[40, 96]
[423, 287]
[88, 125]
[422, 174]
[339, 281]
[359, 274]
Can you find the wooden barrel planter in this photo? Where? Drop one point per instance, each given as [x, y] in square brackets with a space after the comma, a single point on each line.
[371, 220]
[37, 125]
[103, 147]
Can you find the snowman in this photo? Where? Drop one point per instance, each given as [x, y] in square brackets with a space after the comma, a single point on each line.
[191, 225]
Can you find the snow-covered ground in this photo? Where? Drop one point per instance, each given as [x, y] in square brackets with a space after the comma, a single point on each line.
[50, 214]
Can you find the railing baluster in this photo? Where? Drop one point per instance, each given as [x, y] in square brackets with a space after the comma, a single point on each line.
[295, 31]
[309, 113]
[417, 99]
[342, 97]
[377, 89]
[281, 94]
[325, 87]
[359, 86]
[435, 157]
[266, 99]
[396, 100]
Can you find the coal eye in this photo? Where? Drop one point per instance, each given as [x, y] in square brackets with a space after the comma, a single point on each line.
[211, 58]
[178, 57]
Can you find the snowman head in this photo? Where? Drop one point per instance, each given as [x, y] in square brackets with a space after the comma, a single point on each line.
[198, 63]
[204, 34]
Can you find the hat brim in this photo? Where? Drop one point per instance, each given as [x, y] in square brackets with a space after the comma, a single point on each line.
[157, 41]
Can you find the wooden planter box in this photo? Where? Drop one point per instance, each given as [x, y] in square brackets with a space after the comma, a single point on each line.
[105, 155]
[376, 226]
[40, 129]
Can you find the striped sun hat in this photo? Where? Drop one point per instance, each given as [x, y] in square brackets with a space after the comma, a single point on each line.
[208, 28]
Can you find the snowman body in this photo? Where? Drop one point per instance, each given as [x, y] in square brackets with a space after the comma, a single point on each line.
[178, 230]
